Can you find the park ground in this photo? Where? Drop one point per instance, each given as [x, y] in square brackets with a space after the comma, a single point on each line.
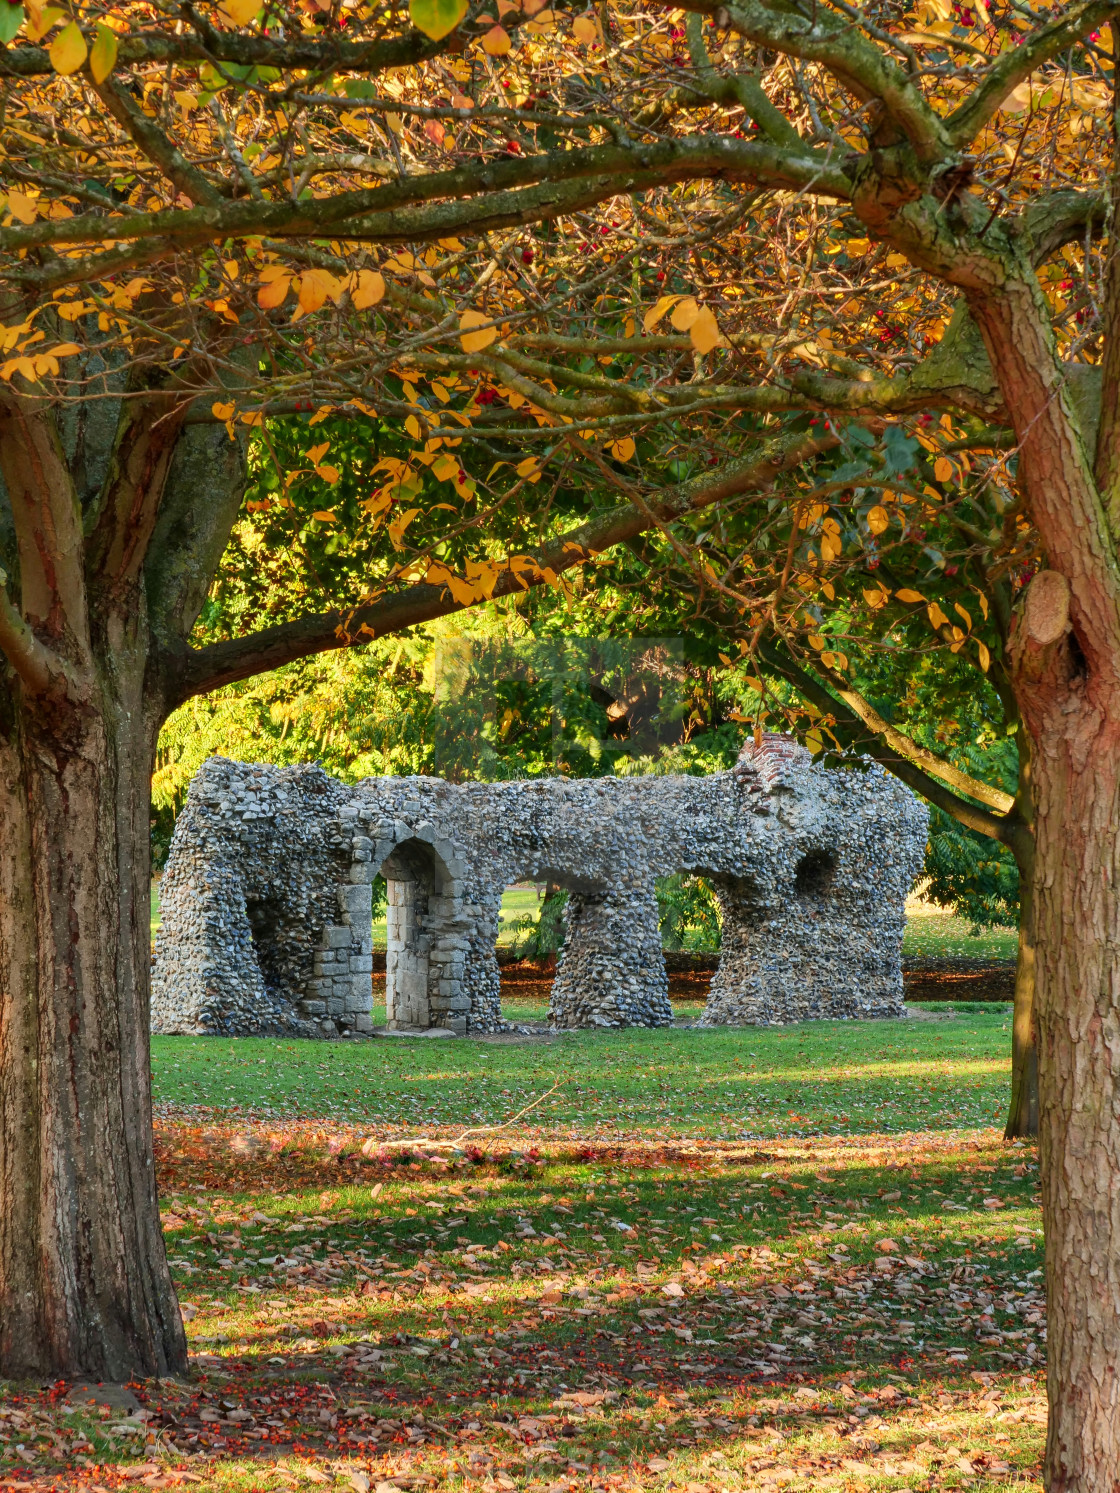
[703, 1262]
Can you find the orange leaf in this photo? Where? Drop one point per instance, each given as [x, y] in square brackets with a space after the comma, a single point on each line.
[273, 292]
[366, 289]
[496, 42]
[316, 287]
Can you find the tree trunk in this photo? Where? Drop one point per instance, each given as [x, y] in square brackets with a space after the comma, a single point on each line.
[1022, 1113]
[85, 1290]
[1077, 927]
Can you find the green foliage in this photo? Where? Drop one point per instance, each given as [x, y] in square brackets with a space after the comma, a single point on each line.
[688, 913]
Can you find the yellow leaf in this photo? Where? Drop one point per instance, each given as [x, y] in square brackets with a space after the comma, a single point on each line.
[21, 207]
[704, 331]
[315, 287]
[622, 450]
[585, 29]
[222, 411]
[328, 473]
[240, 12]
[412, 425]
[878, 519]
[68, 50]
[814, 741]
[527, 467]
[961, 612]
[685, 313]
[875, 598]
[325, 516]
[816, 641]
[316, 454]
[366, 289]
[103, 57]
[543, 21]
[655, 313]
[937, 617]
[496, 42]
[907, 594]
[985, 656]
[475, 341]
[436, 18]
[943, 469]
[396, 529]
[983, 600]
[64, 350]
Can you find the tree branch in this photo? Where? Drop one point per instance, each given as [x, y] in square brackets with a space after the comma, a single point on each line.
[35, 664]
[207, 44]
[374, 212]
[156, 146]
[196, 672]
[1016, 65]
[826, 38]
[852, 731]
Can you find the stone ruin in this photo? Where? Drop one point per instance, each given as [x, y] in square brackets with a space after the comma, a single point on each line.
[267, 896]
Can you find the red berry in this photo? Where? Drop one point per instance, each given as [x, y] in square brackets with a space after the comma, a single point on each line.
[526, 256]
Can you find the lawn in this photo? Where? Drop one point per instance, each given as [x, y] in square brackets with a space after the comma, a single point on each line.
[716, 1262]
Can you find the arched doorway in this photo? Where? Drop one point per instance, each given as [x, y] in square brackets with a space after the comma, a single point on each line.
[416, 957]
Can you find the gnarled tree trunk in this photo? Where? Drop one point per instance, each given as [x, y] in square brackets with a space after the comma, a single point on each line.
[84, 1283]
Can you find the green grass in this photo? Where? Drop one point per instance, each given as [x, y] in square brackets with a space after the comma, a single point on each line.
[617, 1293]
[942, 935]
[831, 1078]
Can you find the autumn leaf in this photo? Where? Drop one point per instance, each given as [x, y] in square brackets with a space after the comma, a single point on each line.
[103, 57]
[396, 529]
[325, 516]
[585, 29]
[316, 287]
[704, 331]
[622, 450]
[496, 42]
[474, 341]
[366, 288]
[655, 313]
[685, 313]
[937, 617]
[985, 656]
[909, 595]
[943, 469]
[240, 12]
[316, 454]
[274, 287]
[21, 207]
[878, 519]
[327, 473]
[68, 50]
[436, 18]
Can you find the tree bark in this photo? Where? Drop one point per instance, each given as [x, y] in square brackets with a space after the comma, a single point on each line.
[85, 1289]
[1077, 922]
[1022, 1113]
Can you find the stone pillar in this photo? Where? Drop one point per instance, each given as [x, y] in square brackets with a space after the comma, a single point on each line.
[611, 971]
